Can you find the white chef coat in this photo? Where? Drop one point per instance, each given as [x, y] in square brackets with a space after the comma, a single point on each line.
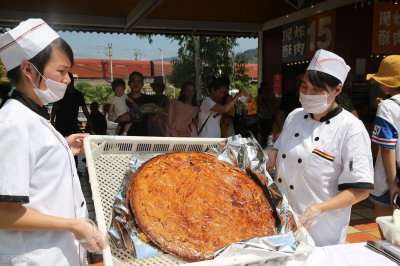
[316, 160]
[386, 134]
[212, 128]
[37, 170]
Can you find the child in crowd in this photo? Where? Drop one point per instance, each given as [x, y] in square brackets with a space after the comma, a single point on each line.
[99, 123]
[386, 135]
[119, 110]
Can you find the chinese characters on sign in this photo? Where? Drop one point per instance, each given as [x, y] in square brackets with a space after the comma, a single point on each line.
[294, 41]
[301, 39]
[386, 29]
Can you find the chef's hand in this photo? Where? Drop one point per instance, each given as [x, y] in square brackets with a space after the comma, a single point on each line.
[75, 142]
[271, 160]
[309, 216]
[89, 236]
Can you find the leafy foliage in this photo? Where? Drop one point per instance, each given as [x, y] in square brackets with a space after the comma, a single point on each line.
[3, 73]
[172, 92]
[217, 59]
[240, 71]
[100, 93]
[184, 66]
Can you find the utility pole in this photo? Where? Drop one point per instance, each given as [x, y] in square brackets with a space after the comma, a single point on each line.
[137, 54]
[109, 54]
[162, 64]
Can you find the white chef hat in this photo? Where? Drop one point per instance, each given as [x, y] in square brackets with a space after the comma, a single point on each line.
[25, 41]
[329, 63]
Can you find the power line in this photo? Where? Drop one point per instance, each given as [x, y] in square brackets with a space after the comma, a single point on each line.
[87, 57]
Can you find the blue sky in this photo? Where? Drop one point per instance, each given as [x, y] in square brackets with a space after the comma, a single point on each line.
[93, 45]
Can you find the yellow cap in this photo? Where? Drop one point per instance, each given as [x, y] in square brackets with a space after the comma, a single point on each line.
[389, 72]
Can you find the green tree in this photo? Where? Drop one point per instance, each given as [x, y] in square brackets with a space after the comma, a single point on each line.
[3, 73]
[183, 67]
[100, 93]
[240, 79]
[217, 59]
[172, 92]
[240, 70]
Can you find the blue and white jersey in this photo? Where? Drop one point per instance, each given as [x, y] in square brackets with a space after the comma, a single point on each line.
[386, 134]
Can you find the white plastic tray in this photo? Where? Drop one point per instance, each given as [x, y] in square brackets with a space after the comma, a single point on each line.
[107, 158]
[390, 231]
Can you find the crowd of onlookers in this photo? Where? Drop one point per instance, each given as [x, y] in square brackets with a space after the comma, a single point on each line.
[219, 114]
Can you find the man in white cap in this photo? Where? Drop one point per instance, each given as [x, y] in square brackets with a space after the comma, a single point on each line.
[323, 157]
[42, 207]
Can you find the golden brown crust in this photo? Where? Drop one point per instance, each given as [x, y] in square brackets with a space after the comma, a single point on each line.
[192, 204]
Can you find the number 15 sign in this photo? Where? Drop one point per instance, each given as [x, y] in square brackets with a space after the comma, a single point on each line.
[321, 32]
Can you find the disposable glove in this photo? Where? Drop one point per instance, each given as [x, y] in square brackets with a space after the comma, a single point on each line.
[90, 237]
[309, 216]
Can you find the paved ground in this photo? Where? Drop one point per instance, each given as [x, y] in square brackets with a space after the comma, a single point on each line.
[362, 225]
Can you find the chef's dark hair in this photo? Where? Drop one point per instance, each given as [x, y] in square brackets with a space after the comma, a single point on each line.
[322, 80]
[42, 58]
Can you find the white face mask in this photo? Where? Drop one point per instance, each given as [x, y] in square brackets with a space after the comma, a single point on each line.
[55, 90]
[315, 104]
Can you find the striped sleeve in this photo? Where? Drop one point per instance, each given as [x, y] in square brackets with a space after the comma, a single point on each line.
[384, 133]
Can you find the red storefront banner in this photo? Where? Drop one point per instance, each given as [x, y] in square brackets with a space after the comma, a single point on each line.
[321, 32]
[386, 29]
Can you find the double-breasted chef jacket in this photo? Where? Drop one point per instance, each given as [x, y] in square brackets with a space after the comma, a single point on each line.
[37, 170]
[316, 160]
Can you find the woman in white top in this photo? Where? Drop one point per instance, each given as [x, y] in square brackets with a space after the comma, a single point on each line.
[323, 155]
[42, 207]
[211, 111]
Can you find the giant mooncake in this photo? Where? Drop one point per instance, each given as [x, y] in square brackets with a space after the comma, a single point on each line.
[192, 204]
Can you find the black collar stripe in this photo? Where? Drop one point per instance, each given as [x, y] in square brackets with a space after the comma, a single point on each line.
[331, 114]
[34, 107]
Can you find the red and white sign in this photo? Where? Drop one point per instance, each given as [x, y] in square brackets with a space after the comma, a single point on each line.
[386, 29]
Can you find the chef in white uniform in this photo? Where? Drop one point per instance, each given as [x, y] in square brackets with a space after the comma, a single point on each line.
[323, 156]
[42, 207]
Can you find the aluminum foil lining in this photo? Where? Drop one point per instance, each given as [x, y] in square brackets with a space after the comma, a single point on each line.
[245, 153]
